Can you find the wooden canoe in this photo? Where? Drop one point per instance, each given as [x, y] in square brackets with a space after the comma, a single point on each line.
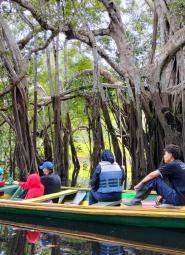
[128, 216]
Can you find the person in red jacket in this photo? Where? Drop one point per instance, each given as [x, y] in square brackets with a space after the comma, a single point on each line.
[2, 183]
[33, 185]
[32, 237]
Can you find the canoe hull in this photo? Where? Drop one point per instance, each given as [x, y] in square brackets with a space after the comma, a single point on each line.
[108, 216]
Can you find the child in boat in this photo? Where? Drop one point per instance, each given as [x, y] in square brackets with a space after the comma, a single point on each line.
[107, 180]
[33, 185]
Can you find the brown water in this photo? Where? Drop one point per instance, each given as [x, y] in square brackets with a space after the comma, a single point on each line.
[22, 241]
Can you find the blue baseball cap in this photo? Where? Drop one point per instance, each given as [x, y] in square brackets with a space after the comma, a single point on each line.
[1, 171]
[49, 165]
[46, 239]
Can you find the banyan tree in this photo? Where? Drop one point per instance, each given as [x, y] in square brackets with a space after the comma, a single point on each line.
[137, 78]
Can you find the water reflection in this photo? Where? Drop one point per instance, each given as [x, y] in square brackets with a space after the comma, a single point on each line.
[101, 248]
[20, 241]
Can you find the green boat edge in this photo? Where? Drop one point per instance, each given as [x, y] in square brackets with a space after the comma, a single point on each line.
[128, 220]
[141, 221]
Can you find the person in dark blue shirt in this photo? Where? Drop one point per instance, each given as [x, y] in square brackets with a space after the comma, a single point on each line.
[107, 180]
[174, 171]
[50, 180]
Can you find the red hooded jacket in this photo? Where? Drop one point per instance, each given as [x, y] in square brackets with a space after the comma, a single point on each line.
[2, 183]
[32, 236]
[34, 186]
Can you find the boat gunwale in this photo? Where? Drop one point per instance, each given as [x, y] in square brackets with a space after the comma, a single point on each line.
[107, 211]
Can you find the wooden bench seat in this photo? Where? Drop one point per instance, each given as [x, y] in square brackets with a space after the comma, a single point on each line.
[111, 203]
[52, 196]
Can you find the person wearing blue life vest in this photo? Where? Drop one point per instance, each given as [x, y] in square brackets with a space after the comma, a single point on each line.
[102, 248]
[107, 180]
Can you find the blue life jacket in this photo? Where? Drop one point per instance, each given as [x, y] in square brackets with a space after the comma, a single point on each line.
[110, 249]
[110, 178]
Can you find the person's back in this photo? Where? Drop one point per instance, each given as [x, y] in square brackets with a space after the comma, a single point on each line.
[175, 172]
[107, 180]
[50, 180]
[110, 178]
[33, 185]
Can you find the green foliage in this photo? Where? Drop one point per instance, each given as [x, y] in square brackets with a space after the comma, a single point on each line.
[177, 7]
[139, 28]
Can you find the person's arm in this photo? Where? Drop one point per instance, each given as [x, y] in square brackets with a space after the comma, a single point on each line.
[95, 178]
[24, 185]
[44, 180]
[149, 177]
[2, 183]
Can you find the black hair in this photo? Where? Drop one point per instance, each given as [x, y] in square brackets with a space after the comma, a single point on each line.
[107, 156]
[174, 150]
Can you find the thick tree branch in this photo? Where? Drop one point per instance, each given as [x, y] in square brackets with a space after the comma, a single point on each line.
[14, 84]
[8, 120]
[80, 35]
[154, 36]
[104, 73]
[64, 95]
[28, 6]
[112, 10]
[169, 50]
[101, 31]
[34, 50]
[85, 39]
[22, 42]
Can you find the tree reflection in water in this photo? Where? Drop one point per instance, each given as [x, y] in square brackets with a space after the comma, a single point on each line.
[17, 241]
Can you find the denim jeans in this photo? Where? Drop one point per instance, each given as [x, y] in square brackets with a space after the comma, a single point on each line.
[169, 195]
[95, 197]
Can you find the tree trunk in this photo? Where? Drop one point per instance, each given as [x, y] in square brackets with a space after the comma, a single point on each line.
[76, 163]
[97, 134]
[111, 130]
[35, 105]
[25, 154]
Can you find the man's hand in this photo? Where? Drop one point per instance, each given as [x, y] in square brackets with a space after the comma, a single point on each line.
[16, 182]
[158, 200]
[137, 186]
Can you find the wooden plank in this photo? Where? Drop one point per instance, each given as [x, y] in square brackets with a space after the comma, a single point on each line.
[112, 203]
[51, 196]
[78, 197]
[8, 187]
[89, 189]
[90, 210]
[17, 193]
[95, 210]
[76, 188]
[116, 211]
[168, 206]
